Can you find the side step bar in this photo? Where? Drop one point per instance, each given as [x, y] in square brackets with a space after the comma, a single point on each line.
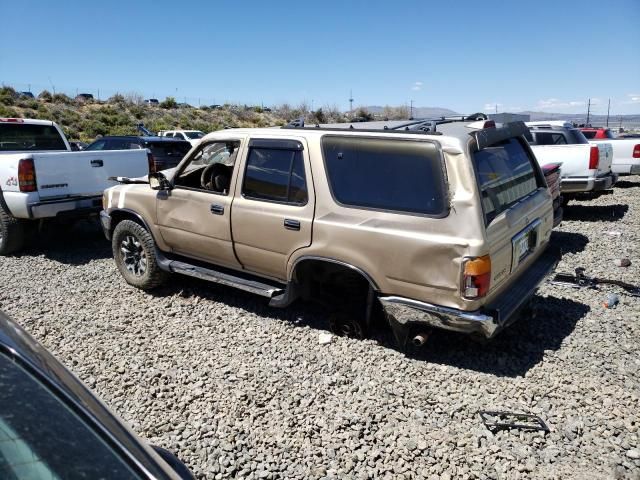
[236, 281]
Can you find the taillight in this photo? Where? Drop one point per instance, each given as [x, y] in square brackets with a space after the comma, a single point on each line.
[476, 278]
[152, 162]
[594, 158]
[636, 151]
[27, 175]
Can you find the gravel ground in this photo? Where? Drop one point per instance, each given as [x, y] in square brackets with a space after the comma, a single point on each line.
[237, 389]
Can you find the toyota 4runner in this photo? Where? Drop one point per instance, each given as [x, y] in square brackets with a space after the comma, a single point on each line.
[428, 230]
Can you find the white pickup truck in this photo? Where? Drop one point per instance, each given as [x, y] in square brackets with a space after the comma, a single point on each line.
[626, 151]
[586, 168]
[40, 177]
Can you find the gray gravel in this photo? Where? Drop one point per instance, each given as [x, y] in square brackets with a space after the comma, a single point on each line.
[237, 389]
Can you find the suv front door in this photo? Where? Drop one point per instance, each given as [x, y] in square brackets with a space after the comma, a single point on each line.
[194, 217]
[273, 206]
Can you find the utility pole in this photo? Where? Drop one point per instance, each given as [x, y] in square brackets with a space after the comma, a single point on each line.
[351, 102]
[588, 111]
[496, 108]
[608, 109]
[411, 111]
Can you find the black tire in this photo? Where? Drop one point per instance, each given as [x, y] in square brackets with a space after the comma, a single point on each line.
[134, 252]
[11, 233]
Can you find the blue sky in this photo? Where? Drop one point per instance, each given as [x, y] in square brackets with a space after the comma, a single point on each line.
[464, 55]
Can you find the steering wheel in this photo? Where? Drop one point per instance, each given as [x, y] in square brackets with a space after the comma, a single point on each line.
[206, 177]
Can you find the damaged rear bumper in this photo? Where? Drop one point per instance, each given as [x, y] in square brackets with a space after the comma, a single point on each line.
[406, 314]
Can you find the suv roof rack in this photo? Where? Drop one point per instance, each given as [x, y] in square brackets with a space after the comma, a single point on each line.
[426, 126]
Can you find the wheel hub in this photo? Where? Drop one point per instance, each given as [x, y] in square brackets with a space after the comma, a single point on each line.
[133, 256]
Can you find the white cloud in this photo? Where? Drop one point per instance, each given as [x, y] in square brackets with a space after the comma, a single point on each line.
[633, 98]
[417, 86]
[551, 103]
[491, 107]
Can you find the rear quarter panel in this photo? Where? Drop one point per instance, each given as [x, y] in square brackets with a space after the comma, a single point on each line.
[409, 255]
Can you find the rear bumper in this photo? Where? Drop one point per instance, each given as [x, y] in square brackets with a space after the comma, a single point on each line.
[588, 184]
[408, 313]
[80, 206]
[630, 168]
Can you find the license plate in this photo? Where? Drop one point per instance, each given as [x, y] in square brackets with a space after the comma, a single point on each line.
[525, 242]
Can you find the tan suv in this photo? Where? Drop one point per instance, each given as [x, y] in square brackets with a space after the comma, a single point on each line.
[432, 230]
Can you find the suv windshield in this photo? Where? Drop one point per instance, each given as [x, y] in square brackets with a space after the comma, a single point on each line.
[505, 175]
[20, 136]
[386, 174]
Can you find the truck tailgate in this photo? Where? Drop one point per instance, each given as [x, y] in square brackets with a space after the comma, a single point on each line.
[574, 158]
[605, 151]
[70, 174]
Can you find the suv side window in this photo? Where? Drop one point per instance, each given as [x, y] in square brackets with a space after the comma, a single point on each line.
[275, 174]
[386, 174]
[550, 138]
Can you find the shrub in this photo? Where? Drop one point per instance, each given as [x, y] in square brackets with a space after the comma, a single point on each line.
[61, 98]
[319, 116]
[7, 96]
[45, 96]
[168, 103]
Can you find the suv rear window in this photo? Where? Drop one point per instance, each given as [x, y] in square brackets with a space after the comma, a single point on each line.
[505, 175]
[386, 174]
[20, 136]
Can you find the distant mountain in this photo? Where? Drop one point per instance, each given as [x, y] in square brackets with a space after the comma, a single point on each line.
[628, 121]
[418, 112]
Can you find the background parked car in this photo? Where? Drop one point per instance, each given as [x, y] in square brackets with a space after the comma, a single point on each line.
[52, 426]
[165, 152]
[191, 136]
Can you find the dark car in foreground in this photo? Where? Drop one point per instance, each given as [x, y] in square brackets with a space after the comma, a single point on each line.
[52, 426]
[165, 152]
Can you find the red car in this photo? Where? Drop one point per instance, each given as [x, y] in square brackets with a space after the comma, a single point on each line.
[597, 133]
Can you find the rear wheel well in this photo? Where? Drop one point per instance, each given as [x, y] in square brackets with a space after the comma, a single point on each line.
[345, 291]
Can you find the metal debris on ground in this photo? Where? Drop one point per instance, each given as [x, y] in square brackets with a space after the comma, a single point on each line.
[580, 280]
[495, 421]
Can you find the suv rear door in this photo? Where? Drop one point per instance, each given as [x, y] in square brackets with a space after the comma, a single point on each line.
[516, 206]
[273, 206]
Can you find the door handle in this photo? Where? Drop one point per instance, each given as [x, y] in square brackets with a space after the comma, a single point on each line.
[97, 163]
[291, 224]
[217, 209]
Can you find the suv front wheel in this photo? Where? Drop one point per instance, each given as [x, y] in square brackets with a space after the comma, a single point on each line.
[135, 255]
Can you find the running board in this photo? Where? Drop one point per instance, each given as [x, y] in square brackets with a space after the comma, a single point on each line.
[253, 286]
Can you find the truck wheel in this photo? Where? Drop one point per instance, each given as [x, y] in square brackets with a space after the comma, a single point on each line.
[135, 255]
[11, 233]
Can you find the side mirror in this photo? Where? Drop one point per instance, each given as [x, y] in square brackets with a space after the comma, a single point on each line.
[157, 181]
